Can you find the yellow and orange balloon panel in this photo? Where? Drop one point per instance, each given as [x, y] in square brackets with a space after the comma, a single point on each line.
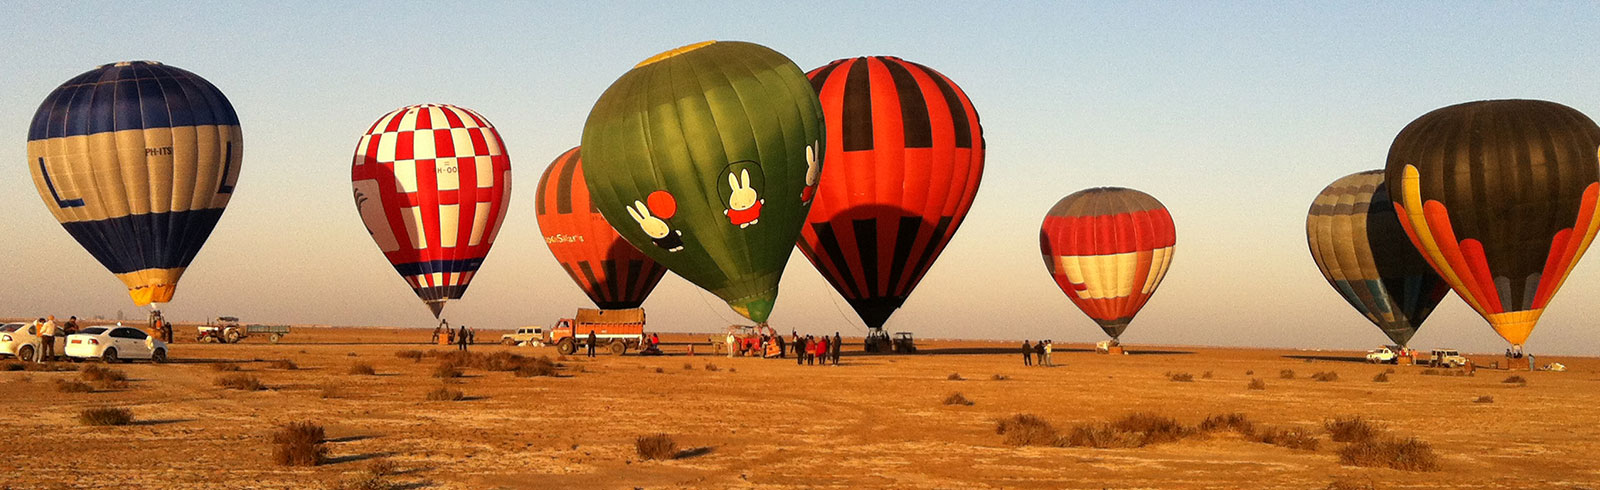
[137, 160]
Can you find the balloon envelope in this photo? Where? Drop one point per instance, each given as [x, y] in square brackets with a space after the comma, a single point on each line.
[1499, 196]
[698, 157]
[1361, 249]
[432, 183]
[1108, 248]
[137, 160]
[608, 269]
[905, 155]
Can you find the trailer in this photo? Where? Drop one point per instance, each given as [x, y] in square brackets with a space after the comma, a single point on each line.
[615, 330]
[227, 330]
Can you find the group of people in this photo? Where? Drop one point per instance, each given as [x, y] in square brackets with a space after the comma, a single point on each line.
[460, 337]
[49, 334]
[1043, 350]
[815, 351]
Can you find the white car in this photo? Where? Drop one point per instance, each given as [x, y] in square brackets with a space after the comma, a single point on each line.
[19, 340]
[1383, 355]
[114, 343]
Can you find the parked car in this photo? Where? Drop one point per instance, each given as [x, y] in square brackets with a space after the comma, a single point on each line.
[1447, 358]
[1382, 355]
[111, 344]
[18, 340]
[529, 336]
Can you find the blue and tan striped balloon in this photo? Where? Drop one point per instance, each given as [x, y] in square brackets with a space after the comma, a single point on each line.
[137, 161]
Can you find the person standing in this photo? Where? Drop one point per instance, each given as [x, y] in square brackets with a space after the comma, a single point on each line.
[71, 327]
[435, 339]
[461, 339]
[593, 339]
[799, 351]
[837, 341]
[1027, 353]
[472, 336]
[47, 340]
[1038, 351]
[1049, 348]
[781, 346]
[730, 340]
[166, 330]
[822, 351]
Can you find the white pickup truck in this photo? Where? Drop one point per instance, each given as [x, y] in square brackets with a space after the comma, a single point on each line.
[526, 336]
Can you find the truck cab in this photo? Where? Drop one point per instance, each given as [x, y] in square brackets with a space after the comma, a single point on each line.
[615, 331]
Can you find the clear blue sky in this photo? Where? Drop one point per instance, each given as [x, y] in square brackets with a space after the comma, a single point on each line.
[1233, 114]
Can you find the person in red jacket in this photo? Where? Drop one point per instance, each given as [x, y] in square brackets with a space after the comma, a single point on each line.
[822, 350]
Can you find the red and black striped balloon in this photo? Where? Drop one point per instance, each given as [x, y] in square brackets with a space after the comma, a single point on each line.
[903, 160]
[608, 269]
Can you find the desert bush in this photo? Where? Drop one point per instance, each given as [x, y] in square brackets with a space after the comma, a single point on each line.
[1292, 438]
[240, 382]
[688, 367]
[413, 355]
[1205, 375]
[49, 367]
[102, 373]
[954, 377]
[1380, 378]
[1351, 429]
[1236, 422]
[999, 377]
[1389, 370]
[1100, 436]
[11, 366]
[1430, 372]
[655, 446]
[445, 394]
[957, 399]
[350, 354]
[1256, 384]
[284, 364]
[376, 476]
[1181, 377]
[299, 444]
[1155, 429]
[1409, 455]
[105, 416]
[70, 386]
[1026, 430]
[1515, 379]
[712, 367]
[225, 367]
[1483, 399]
[1350, 485]
[362, 369]
[1325, 376]
[330, 390]
[1250, 372]
[1286, 374]
[660, 371]
[446, 370]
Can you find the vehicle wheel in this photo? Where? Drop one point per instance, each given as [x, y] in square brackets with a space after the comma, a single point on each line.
[508, 342]
[232, 336]
[566, 346]
[619, 347]
[25, 353]
[159, 356]
[274, 338]
[109, 356]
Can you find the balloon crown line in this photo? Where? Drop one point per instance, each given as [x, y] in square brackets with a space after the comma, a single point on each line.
[129, 63]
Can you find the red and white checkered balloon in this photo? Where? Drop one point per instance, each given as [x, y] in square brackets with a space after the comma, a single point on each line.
[432, 183]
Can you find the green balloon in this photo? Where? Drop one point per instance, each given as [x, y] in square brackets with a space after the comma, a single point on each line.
[700, 157]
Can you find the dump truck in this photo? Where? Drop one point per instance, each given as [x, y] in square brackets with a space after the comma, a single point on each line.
[615, 331]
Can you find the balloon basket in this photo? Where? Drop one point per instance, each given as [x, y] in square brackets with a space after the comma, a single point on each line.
[1115, 350]
[1518, 363]
[1405, 361]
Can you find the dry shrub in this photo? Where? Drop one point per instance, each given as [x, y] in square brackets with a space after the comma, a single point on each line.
[733, 370]
[1100, 437]
[240, 382]
[1515, 379]
[1286, 374]
[712, 367]
[1292, 438]
[1256, 384]
[1430, 372]
[101, 373]
[362, 369]
[70, 386]
[225, 367]
[1381, 378]
[1250, 372]
[105, 416]
[11, 366]
[1325, 376]
[688, 367]
[1205, 375]
[1026, 430]
[655, 446]
[331, 390]
[1389, 371]
[999, 377]
[350, 354]
[413, 355]
[446, 371]
[1181, 377]
[1354, 428]
[1483, 399]
[299, 444]
[376, 476]
[445, 394]
[542, 366]
[1236, 422]
[283, 364]
[1408, 455]
[1155, 429]
[49, 367]
[660, 371]
[954, 377]
[957, 399]
[1350, 485]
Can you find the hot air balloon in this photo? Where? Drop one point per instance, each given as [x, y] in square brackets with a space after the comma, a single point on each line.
[1108, 249]
[1360, 247]
[432, 182]
[698, 157]
[1499, 196]
[905, 155]
[137, 160]
[608, 269]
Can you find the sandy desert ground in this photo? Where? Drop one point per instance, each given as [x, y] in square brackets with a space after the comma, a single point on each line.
[875, 422]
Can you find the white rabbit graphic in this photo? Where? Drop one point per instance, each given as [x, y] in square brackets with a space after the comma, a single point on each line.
[813, 175]
[660, 233]
[744, 205]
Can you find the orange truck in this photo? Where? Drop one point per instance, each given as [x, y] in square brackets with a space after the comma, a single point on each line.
[616, 331]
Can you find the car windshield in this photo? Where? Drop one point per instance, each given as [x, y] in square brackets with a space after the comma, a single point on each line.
[92, 331]
[10, 327]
